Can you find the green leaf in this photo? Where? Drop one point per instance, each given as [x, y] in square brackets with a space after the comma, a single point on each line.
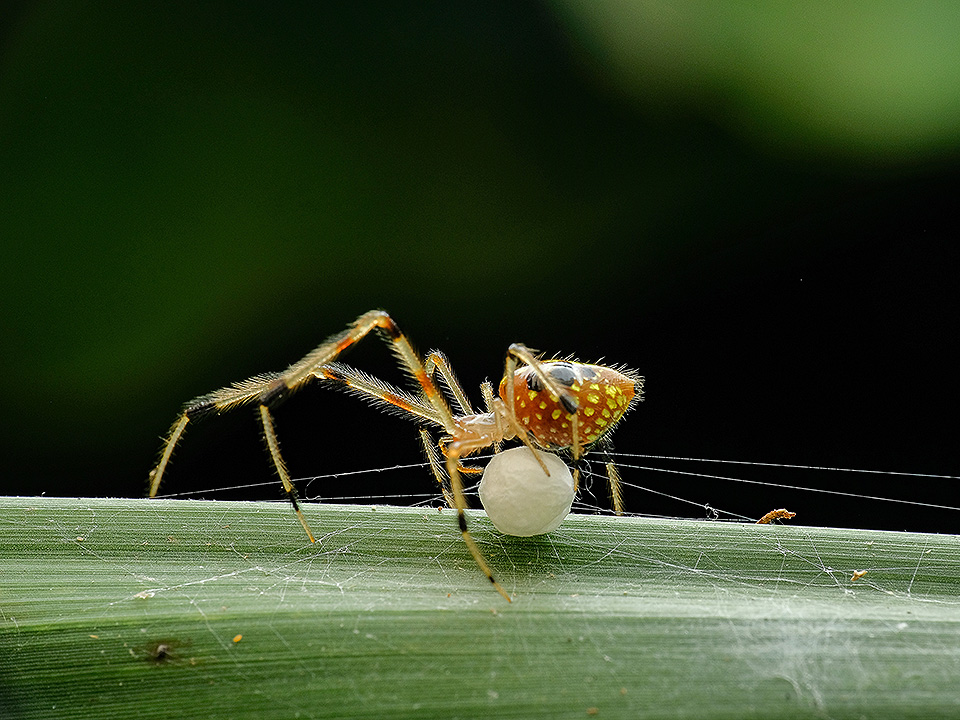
[188, 609]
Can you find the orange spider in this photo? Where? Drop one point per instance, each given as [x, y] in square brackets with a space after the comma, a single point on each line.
[551, 404]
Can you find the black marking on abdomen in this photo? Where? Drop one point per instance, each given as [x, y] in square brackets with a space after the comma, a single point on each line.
[534, 382]
[563, 373]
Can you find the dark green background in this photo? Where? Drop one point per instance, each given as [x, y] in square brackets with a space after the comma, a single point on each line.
[754, 205]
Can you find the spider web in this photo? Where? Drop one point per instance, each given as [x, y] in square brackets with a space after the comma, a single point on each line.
[689, 487]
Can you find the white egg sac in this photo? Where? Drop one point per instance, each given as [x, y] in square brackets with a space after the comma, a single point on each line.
[520, 499]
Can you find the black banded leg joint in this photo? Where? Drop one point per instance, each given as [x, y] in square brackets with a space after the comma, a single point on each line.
[569, 403]
[387, 324]
[273, 393]
[292, 497]
[199, 408]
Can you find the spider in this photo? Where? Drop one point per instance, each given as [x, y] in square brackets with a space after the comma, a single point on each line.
[547, 404]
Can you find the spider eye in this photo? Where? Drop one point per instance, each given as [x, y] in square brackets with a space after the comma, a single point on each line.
[533, 382]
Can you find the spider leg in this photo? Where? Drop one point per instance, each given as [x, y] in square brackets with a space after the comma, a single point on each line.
[377, 391]
[430, 448]
[616, 494]
[267, 389]
[382, 393]
[208, 403]
[437, 362]
[455, 451]
[486, 390]
[614, 483]
[176, 432]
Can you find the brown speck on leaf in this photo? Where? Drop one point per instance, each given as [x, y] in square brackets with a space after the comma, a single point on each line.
[782, 513]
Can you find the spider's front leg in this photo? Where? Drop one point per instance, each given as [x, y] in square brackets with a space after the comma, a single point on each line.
[454, 451]
[519, 352]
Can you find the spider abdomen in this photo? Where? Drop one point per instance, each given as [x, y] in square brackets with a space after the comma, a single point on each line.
[602, 396]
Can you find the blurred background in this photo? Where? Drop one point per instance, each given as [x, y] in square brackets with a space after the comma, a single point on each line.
[753, 204]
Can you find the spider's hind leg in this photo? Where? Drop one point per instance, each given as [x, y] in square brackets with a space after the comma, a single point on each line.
[614, 483]
[263, 389]
[616, 493]
[214, 402]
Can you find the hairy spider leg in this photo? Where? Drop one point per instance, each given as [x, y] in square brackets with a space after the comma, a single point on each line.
[616, 493]
[377, 392]
[437, 362]
[454, 452]
[486, 390]
[270, 388]
[433, 458]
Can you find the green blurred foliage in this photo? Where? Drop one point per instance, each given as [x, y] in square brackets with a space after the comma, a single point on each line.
[195, 193]
[865, 81]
